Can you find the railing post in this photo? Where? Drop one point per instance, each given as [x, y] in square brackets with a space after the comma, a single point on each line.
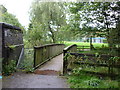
[64, 62]
[72, 48]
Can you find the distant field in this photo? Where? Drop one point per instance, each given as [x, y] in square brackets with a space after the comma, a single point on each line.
[67, 43]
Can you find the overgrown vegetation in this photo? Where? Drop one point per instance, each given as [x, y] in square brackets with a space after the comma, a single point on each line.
[27, 64]
[9, 18]
[90, 74]
[9, 68]
[79, 79]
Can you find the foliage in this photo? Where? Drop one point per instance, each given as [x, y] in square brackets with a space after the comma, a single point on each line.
[35, 37]
[12, 46]
[9, 68]
[47, 19]
[95, 19]
[92, 63]
[8, 17]
[79, 79]
[27, 64]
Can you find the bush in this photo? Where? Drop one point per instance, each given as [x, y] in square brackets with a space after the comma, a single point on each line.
[27, 64]
[9, 68]
[104, 40]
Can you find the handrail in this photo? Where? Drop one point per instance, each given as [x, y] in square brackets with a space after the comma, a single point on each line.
[44, 53]
[71, 48]
[46, 45]
[5, 25]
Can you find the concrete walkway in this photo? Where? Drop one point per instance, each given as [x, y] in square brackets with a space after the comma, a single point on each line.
[34, 81]
[23, 80]
[55, 64]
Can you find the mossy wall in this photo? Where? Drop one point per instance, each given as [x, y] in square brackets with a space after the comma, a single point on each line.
[11, 42]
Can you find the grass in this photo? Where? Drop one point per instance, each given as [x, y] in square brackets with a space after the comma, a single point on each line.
[79, 79]
[97, 50]
[97, 69]
[100, 48]
[79, 44]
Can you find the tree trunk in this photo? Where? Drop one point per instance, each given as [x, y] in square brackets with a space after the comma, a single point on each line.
[52, 34]
[91, 45]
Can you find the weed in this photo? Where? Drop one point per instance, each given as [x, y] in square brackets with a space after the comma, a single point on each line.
[9, 68]
[79, 79]
[27, 64]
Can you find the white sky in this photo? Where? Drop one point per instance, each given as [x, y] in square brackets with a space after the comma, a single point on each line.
[19, 8]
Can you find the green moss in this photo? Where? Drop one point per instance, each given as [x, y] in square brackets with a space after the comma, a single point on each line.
[12, 46]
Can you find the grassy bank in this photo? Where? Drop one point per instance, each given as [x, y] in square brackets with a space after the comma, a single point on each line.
[80, 79]
[100, 48]
[84, 80]
[96, 45]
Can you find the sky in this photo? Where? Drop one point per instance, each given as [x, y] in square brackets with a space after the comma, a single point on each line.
[20, 8]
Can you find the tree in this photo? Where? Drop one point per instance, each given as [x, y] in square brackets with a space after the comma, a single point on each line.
[8, 17]
[103, 16]
[49, 16]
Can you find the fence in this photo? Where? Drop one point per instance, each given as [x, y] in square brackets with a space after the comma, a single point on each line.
[44, 53]
[110, 64]
[82, 48]
[71, 48]
[11, 43]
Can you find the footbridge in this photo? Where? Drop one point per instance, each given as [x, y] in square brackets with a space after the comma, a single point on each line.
[48, 59]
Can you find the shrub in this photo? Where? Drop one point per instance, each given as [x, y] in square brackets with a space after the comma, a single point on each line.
[9, 68]
[27, 64]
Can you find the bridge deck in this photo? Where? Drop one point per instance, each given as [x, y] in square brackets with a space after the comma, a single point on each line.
[55, 64]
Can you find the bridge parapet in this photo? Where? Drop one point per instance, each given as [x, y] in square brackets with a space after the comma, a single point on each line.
[11, 44]
[44, 53]
[69, 49]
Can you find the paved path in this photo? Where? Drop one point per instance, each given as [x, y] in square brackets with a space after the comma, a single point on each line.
[23, 80]
[56, 64]
[34, 81]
